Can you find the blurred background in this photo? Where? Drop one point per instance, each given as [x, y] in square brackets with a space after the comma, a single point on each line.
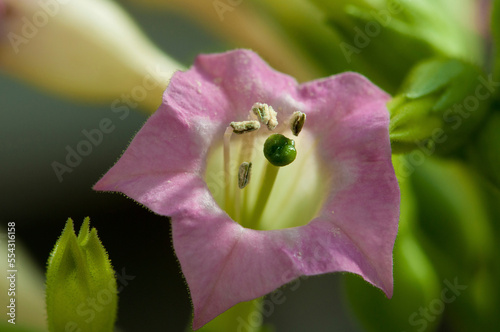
[48, 99]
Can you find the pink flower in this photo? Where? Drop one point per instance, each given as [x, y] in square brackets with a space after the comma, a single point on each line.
[335, 208]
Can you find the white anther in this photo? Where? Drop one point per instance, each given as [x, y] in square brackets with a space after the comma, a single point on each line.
[244, 126]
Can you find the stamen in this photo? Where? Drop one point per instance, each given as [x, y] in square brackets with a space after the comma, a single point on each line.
[266, 114]
[245, 126]
[227, 170]
[297, 122]
[279, 151]
[244, 174]
[246, 153]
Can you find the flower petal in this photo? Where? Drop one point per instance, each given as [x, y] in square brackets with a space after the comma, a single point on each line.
[225, 264]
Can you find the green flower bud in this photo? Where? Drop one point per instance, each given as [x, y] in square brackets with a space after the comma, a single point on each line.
[440, 105]
[81, 285]
[279, 150]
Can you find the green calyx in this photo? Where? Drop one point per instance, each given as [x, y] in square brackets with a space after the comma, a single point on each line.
[280, 150]
[81, 284]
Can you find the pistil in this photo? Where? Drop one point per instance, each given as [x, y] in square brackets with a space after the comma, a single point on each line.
[270, 175]
[278, 150]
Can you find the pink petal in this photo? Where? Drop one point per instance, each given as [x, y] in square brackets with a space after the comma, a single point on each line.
[225, 263]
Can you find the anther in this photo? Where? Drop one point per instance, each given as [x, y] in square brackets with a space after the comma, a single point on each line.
[244, 174]
[297, 122]
[244, 126]
[266, 114]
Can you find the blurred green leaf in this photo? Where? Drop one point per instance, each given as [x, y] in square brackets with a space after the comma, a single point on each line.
[495, 30]
[245, 316]
[484, 151]
[432, 76]
[455, 230]
[415, 282]
[383, 39]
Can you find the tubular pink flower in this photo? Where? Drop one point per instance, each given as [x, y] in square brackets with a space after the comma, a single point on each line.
[224, 263]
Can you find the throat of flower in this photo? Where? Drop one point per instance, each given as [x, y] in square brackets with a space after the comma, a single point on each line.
[273, 197]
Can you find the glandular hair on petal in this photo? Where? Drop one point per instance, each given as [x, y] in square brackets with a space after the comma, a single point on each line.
[242, 127]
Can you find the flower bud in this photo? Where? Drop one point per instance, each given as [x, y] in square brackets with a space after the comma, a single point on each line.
[84, 49]
[81, 285]
[440, 105]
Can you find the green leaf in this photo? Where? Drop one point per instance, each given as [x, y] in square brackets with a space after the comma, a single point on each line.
[383, 39]
[441, 104]
[432, 76]
[81, 286]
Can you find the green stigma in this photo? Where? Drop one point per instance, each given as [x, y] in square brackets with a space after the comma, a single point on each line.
[279, 150]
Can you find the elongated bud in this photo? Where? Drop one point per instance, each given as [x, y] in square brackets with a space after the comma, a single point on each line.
[244, 173]
[72, 48]
[79, 274]
[243, 127]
